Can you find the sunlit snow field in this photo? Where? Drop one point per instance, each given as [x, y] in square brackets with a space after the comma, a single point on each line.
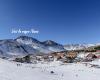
[42, 71]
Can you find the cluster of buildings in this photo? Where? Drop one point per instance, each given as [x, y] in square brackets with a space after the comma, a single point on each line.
[64, 56]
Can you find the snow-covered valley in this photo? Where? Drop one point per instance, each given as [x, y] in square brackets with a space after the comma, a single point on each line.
[10, 70]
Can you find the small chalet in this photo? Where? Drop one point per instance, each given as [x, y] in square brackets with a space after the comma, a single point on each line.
[91, 56]
[71, 54]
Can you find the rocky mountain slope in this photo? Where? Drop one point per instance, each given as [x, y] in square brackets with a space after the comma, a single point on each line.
[24, 45]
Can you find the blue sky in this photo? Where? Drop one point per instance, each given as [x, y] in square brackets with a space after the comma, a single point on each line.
[65, 21]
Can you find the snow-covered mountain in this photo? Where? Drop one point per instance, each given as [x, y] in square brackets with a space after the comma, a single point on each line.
[53, 46]
[79, 46]
[32, 43]
[11, 47]
[43, 47]
[24, 45]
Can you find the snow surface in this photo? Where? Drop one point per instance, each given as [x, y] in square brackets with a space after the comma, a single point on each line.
[10, 70]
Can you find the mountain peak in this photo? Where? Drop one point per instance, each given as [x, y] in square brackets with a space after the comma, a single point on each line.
[50, 43]
[26, 39]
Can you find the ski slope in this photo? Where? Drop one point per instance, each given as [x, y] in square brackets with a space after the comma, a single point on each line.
[74, 71]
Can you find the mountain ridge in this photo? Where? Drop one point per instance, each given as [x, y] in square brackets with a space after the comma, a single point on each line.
[24, 45]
